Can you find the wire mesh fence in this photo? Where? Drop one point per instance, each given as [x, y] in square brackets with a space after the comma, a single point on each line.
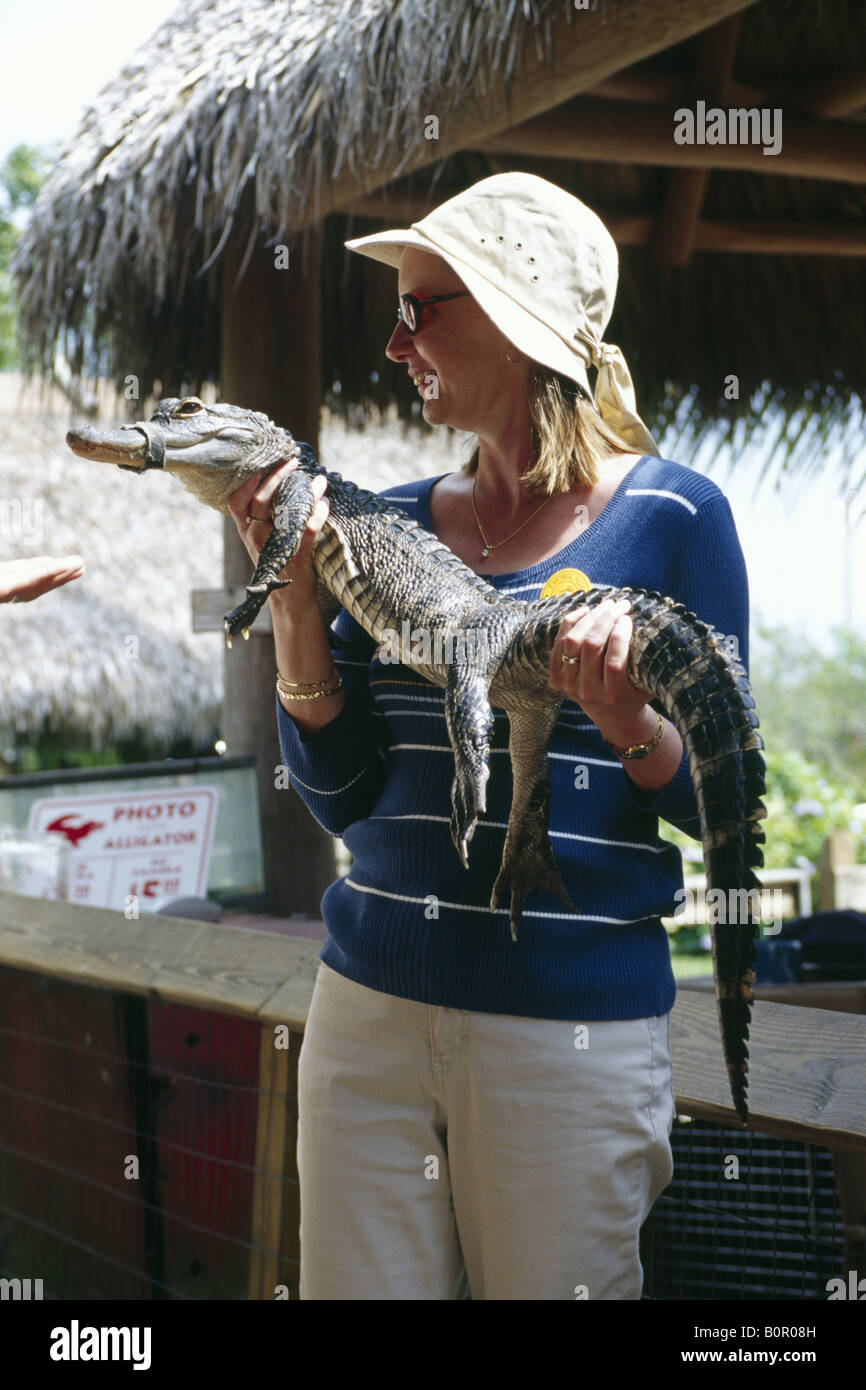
[746, 1216]
[128, 1144]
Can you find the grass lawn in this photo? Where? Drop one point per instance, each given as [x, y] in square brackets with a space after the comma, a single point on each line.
[688, 963]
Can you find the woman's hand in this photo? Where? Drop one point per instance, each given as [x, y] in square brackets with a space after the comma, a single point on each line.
[301, 647]
[23, 580]
[250, 507]
[589, 664]
[595, 643]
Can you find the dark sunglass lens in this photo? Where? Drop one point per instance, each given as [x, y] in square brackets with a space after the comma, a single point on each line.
[408, 315]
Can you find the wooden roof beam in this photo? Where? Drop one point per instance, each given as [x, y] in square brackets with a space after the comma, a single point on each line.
[664, 88]
[843, 94]
[749, 235]
[686, 189]
[830, 98]
[622, 133]
[587, 48]
[782, 238]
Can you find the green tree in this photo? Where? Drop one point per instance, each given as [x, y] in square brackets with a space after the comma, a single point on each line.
[21, 176]
[814, 702]
[803, 807]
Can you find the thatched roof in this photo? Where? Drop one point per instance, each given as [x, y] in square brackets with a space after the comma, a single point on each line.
[146, 543]
[247, 116]
[66, 659]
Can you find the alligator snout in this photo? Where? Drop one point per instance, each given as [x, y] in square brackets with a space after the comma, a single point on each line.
[127, 445]
[132, 446]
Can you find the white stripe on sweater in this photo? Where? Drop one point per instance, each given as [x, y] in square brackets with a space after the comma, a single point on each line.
[498, 911]
[556, 834]
[661, 492]
[320, 791]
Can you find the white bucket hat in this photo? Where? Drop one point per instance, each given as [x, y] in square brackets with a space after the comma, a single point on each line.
[544, 268]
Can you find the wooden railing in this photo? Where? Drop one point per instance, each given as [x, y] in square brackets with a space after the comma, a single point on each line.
[807, 1072]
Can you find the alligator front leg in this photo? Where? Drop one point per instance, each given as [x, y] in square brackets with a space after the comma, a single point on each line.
[469, 720]
[291, 509]
[527, 858]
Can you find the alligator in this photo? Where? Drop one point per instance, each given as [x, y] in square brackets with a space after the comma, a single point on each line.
[377, 563]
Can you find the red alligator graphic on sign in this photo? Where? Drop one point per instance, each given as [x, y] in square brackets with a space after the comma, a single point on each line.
[74, 833]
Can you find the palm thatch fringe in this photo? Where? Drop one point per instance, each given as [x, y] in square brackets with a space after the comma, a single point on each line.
[112, 656]
[238, 114]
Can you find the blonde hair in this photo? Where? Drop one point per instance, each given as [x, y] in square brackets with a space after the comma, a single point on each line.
[568, 438]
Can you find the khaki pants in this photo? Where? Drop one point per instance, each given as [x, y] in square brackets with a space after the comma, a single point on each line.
[445, 1154]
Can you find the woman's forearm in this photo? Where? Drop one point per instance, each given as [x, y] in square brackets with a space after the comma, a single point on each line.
[659, 767]
[304, 658]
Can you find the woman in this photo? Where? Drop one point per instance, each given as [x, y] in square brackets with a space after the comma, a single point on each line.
[481, 1116]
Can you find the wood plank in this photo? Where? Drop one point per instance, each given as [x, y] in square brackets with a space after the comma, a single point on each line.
[806, 1072]
[587, 49]
[686, 189]
[842, 996]
[640, 84]
[198, 963]
[643, 134]
[270, 1155]
[742, 235]
[276, 1206]
[782, 238]
[289, 1267]
[827, 98]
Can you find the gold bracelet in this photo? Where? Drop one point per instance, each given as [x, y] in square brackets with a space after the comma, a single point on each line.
[309, 685]
[310, 694]
[641, 750]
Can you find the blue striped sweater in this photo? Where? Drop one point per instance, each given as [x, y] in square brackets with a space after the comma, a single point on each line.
[409, 919]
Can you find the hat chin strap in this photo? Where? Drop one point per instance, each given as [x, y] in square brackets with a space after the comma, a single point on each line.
[615, 398]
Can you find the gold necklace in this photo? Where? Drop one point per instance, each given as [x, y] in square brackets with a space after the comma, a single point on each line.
[487, 545]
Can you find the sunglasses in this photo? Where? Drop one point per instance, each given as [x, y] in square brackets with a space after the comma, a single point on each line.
[409, 308]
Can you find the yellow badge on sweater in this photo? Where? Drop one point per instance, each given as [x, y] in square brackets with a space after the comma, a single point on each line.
[566, 582]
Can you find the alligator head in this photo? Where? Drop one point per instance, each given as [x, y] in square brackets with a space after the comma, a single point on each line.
[211, 449]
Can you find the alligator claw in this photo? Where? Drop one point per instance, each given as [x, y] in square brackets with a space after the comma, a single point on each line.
[527, 864]
[469, 719]
[468, 800]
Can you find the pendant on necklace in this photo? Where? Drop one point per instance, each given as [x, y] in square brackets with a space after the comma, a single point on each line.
[485, 553]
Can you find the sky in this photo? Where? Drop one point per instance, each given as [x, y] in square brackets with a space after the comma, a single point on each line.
[55, 56]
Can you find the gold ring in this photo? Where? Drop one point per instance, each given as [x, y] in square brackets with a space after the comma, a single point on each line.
[572, 660]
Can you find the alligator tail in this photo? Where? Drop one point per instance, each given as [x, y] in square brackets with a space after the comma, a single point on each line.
[705, 693]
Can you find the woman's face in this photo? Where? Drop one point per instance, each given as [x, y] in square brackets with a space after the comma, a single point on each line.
[459, 351]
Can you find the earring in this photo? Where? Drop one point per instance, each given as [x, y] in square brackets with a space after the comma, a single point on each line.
[512, 360]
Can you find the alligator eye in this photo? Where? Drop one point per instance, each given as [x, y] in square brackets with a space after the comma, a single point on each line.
[190, 405]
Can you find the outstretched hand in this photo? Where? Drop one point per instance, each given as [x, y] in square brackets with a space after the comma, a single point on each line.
[27, 579]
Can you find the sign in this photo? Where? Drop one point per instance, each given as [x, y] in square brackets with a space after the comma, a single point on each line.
[140, 845]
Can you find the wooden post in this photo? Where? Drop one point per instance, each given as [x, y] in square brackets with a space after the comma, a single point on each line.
[686, 189]
[271, 361]
[275, 1257]
[838, 851]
